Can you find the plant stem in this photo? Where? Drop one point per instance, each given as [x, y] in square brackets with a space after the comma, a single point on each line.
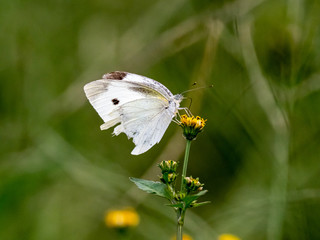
[181, 212]
[185, 163]
[180, 217]
[179, 231]
[123, 234]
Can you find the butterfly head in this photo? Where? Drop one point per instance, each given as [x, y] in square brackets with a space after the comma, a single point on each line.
[174, 103]
[178, 98]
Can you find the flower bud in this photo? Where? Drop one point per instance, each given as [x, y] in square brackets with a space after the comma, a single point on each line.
[192, 184]
[179, 196]
[168, 166]
[168, 177]
[193, 203]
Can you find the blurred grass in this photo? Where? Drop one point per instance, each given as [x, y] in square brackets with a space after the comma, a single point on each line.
[259, 154]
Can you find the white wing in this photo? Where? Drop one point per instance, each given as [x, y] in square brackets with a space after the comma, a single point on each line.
[118, 88]
[139, 80]
[144, 120]
[139, 103]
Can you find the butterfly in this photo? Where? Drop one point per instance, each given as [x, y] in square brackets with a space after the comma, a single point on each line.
[143, 107]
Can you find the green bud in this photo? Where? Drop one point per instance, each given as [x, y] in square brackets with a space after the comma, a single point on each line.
[192, 184]
[171, 177]
[168, 166]
[193, 203]
[168, 178]
[179, 196]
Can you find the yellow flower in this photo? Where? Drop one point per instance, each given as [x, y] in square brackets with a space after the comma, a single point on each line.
[228, 237]
[122, 218]
[184, 237]
[191, 126]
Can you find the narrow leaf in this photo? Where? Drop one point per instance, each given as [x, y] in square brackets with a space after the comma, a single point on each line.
[177, 205]
[190, 198]
[201, 193]
[200, 204]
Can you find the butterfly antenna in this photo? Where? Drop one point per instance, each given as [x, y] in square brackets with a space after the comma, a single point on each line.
[194, 89]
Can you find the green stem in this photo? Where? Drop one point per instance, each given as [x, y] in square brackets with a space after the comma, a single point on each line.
[179, 231]
[123, 234]
[185, 163]
[180, 217]
[181, 212]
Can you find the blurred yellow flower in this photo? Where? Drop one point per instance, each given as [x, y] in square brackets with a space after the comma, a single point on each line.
[184, 237]
[122, 218]
[228, 237]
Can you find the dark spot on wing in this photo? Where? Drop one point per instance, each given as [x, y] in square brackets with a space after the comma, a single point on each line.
[115, 101]
[115, 75]
[142, 90]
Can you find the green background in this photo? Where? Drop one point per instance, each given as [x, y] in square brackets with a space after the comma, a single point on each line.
[258, 155]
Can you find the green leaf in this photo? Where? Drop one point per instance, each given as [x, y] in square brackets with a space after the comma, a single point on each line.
[201, 193]
[190, 198]
[157, 188]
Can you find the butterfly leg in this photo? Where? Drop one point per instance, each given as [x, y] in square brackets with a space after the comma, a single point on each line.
[175, 120]
[187, 111]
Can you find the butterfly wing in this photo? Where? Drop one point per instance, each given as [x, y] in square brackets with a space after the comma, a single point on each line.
[145, 121]
[118, 88]
[140, 104]
[139, 80]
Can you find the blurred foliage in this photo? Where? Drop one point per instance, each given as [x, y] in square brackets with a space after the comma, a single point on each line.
[258, 156]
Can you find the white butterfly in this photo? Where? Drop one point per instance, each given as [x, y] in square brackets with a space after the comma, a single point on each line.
[143, 107]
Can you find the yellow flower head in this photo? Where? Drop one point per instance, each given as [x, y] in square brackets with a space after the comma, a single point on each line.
[184, 237]
[228, 237]
[122, 218]
[191, 126]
